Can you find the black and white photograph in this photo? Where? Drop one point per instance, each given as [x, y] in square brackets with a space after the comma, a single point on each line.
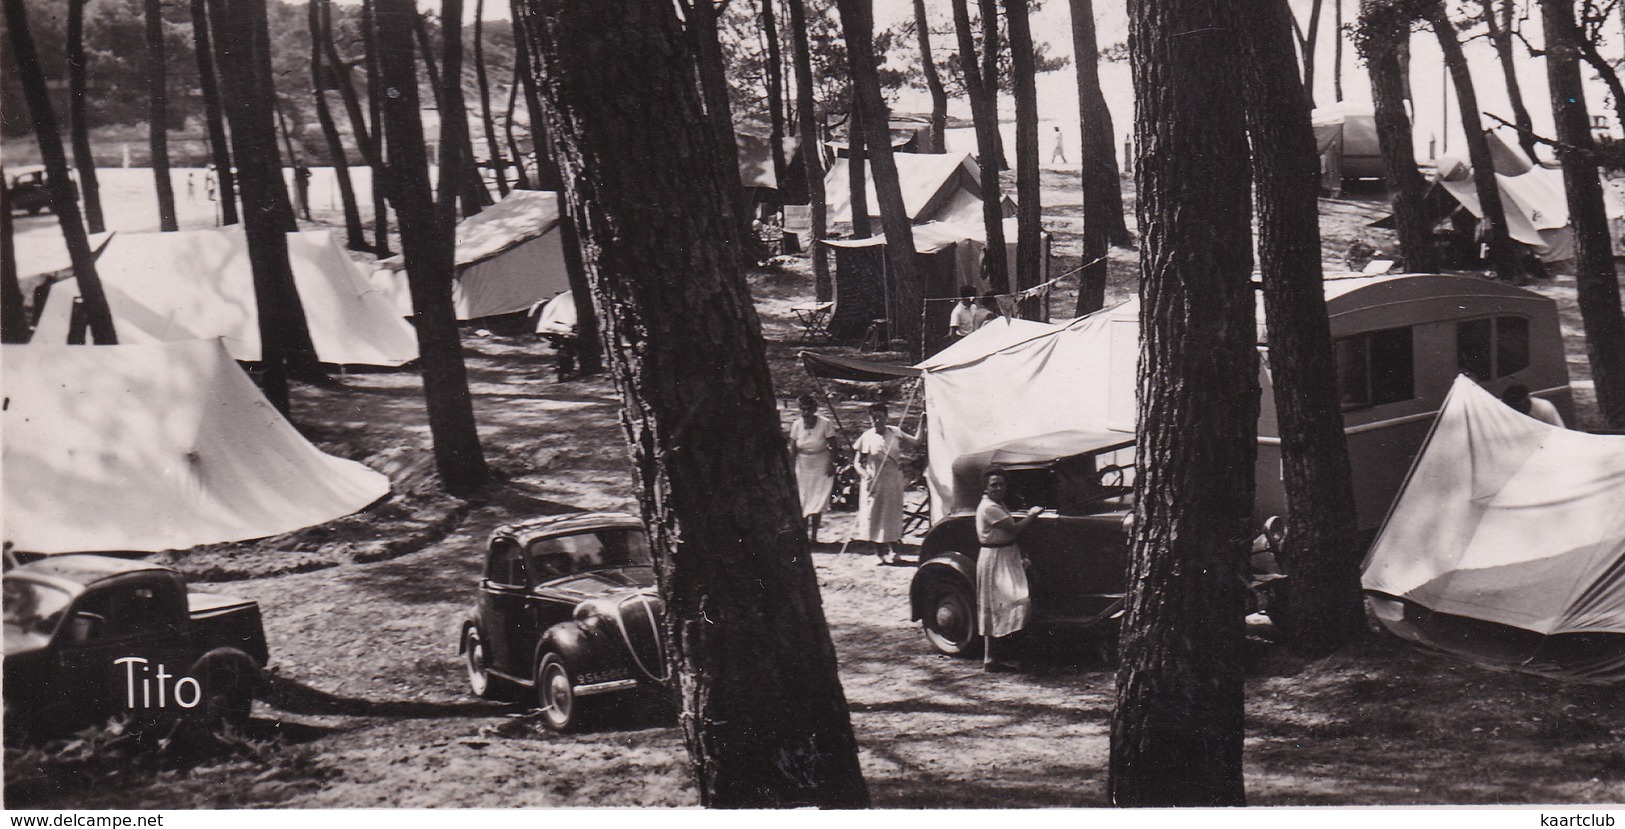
[900, 405]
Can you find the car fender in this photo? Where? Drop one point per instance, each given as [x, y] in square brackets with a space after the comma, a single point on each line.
[591, 656]
[946, 565]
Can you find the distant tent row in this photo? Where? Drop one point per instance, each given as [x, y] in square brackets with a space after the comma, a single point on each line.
[200, 284]
[509, 257]
[156, 447]
[1507, 543]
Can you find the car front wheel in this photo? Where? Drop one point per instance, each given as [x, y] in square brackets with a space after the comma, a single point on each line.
[555, 693]
[950, 617]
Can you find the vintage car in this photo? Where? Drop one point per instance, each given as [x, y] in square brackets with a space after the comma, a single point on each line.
[1078, 547]
[26, 189]
[566, 613]
[89, 637]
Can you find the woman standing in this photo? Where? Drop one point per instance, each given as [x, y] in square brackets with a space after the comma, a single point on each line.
[815, 471]
[1003, 603]
[880, 483]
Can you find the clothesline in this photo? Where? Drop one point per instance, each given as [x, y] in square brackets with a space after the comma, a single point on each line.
[1008, 302]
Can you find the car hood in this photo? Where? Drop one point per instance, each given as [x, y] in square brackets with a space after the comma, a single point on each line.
[19, 641]
[599, 583]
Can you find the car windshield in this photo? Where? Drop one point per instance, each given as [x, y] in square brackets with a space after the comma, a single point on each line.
[568, 554]
[34, 608]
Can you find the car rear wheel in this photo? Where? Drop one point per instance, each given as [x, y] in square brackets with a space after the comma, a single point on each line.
[228, 684]
[950, 617]
[477, 662]
[555, 694]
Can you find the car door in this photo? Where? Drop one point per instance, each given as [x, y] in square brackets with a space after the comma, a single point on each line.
[1079, 566]
[118, 641]
[502, 606]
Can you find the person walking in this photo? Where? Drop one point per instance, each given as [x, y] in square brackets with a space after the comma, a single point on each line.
[1059, 154]
[1003, 601]
[880, 483]
[811, 437]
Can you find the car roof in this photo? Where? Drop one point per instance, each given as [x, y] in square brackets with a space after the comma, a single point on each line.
[550, 526]
[25, 170]
[84, 568]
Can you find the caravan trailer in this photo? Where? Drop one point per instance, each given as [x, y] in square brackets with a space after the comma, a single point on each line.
[1400, 341]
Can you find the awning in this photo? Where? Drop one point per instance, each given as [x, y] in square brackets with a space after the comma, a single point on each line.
[854, 369]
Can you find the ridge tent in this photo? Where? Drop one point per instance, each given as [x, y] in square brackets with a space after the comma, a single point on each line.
[943, 187]
[1347, 143]
[156, 447]
[509, 257]
[199, 284]
[1507, 543]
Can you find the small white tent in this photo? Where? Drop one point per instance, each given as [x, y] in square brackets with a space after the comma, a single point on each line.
[156, 447]
[936, 188]
[509, 257]
[1506, 519]
[199, 284]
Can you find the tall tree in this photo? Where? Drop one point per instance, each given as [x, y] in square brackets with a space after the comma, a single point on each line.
[320, 19]
[375, 113]
[991, 51]
[79, 128]
[857, 166]
[1103, 222]
[711, 71]
[906, 292]
[775, 93]
[1596, 278]
[1493, 221]
[214, 116]
[986, 121]
[763, 713]
[1321, 552]
[1384, 28]
[158, 114]
[1308, 36]
[448, 94]
[428, 236]
[811, 152]
[1176, 737]
[521, 178]
[58, 186]
[933, 83]
[1337, 50]
[242, 41]
[1501, 33]
[13, 317]
[1029, 208]
[498, 164]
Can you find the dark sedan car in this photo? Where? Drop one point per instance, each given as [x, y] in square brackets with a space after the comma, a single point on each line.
[567, 612]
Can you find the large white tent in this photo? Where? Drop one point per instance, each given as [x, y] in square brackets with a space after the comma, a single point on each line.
[509, 257]
[156, 447]
[945, 187]
[1509, 520]
[199, 284]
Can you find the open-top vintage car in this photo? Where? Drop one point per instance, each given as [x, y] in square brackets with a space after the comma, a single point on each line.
[567, 612]
[1078, 547]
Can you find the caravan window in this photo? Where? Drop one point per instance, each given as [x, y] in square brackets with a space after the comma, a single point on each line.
[1493, 348]
[1375, 368]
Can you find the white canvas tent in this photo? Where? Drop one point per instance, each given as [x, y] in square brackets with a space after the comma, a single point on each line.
[1535, 204]
[156, 447]
[1508, 520]
[936, 188]
[509, 257]
[199, 284]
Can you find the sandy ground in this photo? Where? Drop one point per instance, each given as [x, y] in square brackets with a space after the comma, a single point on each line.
[369, 706]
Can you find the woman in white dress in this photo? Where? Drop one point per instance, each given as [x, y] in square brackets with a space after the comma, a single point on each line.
[1003, 602]
[815, 469]
[880, 483]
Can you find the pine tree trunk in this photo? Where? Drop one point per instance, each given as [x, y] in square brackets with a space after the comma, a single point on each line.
[714, 91]
[1337, 51]
[1379, 36]
[14, 328]
[79, 129]
[243, 54]
[498, 165]
[1103, 222]
[906, 293]
[1321, 552]
[811, 151]
[319, 17]
[775, 95]
[58, 185]
[991, 49]
[857, 167]
[214, 112]
[521, 178]
[994, 260]
[762, 710]
[158, 115]
[375, 112]
[1596, 277]
[1307, 42]
[1493, 223]
[1500, 31]
[1177, 729]
[428, 238]
[1029, 212]
[933, 83]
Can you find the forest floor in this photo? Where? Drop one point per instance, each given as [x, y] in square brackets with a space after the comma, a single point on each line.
[369, 707]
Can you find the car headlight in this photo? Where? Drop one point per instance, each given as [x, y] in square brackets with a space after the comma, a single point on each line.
[1275, 531]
